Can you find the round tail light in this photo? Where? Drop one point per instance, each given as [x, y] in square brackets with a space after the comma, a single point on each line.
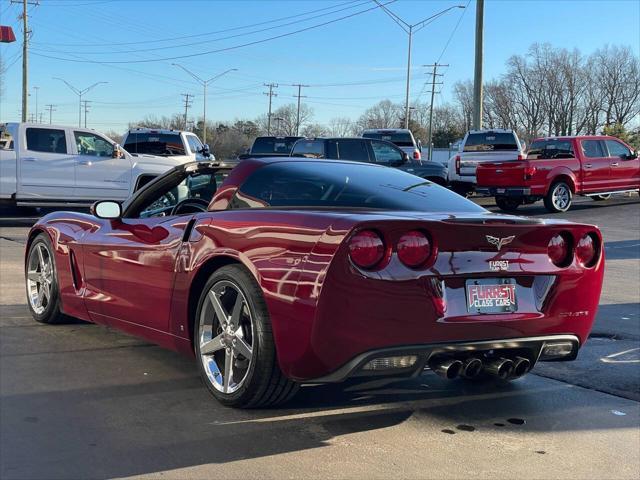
[559, 251]
[366, 249]
[414, 249]
[587, 250]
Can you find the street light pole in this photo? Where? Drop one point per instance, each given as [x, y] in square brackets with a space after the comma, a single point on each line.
[204, 84]
[409, 30]
[80, 93]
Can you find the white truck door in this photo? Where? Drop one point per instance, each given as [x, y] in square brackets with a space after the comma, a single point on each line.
[98, 174]
[46, 168]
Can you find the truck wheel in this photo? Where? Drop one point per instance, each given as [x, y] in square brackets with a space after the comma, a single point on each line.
[559, 197]
[599, 198]
[508, 204]
[234, 343]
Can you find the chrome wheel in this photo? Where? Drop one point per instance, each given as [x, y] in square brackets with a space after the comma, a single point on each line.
[39, 278]
[561, 197]
[225, 336]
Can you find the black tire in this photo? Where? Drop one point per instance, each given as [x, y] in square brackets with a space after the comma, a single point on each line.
[52, 312]
[601, 198]
[559, 198]
[508, 204]
[264, 384]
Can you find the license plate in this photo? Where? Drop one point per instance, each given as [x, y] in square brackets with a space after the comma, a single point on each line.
[491, 295]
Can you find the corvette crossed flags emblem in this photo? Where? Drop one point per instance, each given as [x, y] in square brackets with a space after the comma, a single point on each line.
[500, 242]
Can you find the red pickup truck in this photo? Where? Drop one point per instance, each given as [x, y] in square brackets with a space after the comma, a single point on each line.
[557, 168]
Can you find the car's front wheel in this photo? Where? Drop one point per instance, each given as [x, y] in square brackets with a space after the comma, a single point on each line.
[234, 343]
[43, 296]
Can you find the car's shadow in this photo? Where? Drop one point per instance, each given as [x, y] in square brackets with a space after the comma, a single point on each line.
[105, 405]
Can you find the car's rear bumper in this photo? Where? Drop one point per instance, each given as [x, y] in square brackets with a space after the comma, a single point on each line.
[504, 191]
[531, 347]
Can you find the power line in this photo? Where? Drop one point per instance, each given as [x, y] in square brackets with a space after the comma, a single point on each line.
[435, 74]
[271, 94]
[86, 110]
[299, 95]
[225, 49]
[51, 109]
[25, 53]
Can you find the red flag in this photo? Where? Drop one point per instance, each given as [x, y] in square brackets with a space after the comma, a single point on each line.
[6, 35]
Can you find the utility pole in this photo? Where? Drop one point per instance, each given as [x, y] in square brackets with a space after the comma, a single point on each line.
[51, 110]
[188, 98]
[477, 77]
[86, 110]
[433, 92]
[299, 85]
[25, 54]
[80, 93]
[36, 89]
[204, 84]
[271, 94]
[40, 120]
[409, 30]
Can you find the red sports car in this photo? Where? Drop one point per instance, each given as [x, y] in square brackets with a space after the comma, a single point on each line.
[284, 271]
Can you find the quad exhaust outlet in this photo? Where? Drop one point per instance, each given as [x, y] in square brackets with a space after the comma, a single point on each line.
[448, 368]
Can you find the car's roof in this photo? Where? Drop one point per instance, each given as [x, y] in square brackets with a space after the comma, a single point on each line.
[164, 131]
[581, 137]
[493, 130]
[395, 130]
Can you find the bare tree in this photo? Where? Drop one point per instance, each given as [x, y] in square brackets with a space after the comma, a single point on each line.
[619, 75]
[384, 114]
[341, 127]
[463, 91]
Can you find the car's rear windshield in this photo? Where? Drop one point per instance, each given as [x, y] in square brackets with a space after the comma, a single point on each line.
[163, 144]
[282, 145]
[401, 139]
[345, 185]
[548, 149]
[490, 141]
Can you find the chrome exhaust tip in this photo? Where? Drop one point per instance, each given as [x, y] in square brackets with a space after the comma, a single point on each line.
[471, 368]
[521, 366]
[500, 367]
[448, 369]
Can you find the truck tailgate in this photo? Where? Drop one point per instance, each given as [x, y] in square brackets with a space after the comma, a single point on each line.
[502, 174]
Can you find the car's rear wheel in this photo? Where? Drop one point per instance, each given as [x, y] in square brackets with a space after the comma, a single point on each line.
[43, 296]
[559, 198]
[234, 343]
[508, 204]
[599, 198]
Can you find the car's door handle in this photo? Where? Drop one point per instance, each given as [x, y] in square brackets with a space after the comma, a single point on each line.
[85, 162]
[587, 165]
[614, 164]
[30, 159]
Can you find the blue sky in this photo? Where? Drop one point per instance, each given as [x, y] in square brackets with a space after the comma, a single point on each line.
[349, 64]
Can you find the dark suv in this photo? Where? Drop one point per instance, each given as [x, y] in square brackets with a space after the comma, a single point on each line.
[371, 151]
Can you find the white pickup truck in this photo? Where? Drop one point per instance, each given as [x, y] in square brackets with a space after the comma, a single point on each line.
[480, 146]
[47, 165]
[179, 145]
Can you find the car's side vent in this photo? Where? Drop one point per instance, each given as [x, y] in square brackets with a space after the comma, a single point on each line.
[188, 229]
[75, 271]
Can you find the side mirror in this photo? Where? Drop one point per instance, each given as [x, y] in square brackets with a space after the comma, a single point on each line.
[405, 158]
[107, 209]
[420, 145]
[117, 151]
[633, 155]
[205, 150]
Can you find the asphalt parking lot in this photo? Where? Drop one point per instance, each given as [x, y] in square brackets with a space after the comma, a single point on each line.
[84, 401]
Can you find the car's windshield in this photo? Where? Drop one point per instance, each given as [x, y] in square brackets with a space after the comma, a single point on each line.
[346, 185]
[163, 144]
[401, 139]
[282, 145]
[490, 141]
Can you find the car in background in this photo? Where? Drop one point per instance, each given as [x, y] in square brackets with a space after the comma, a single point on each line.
[557, 168]
[51, 165]
[369, 150]
[401, 137]
[270, 147]
[481, 146]
[178, 145]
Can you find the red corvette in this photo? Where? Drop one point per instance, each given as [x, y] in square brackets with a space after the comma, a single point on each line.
[286, 270]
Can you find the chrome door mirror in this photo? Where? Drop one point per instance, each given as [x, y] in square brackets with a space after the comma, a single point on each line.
[107, 209]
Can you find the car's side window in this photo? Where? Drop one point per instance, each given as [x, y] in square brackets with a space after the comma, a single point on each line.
[194, 144]
[92, 145]
[592, 148]
[46, 140]
[616, 149]
[355, 150]
[385, 153]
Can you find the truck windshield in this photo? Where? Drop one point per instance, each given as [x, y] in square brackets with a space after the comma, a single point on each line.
[490, 141]
[162, 144]
[281, 145]
[401, 139]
